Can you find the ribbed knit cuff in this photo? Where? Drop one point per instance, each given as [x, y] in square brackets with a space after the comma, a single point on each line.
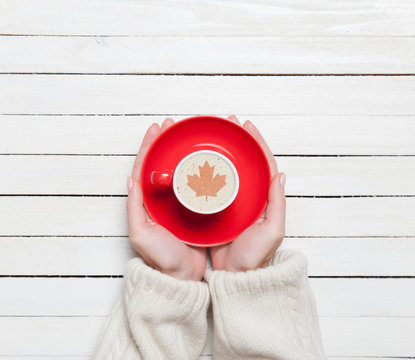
[266, 313]
[189, 295]
[286, 266]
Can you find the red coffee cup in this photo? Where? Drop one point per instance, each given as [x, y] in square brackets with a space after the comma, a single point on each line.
[169, 178]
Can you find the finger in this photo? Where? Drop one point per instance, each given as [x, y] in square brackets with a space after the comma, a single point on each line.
[152, 132]
[136, 213]
[275, 211]
[234, 119]
[258, 137]
[166, 123]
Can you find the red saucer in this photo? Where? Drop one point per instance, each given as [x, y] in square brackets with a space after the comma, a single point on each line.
[227, 138]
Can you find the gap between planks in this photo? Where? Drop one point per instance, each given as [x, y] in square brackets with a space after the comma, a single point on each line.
[210, 74]
[275, 155]
[287, 196]
[121, 276]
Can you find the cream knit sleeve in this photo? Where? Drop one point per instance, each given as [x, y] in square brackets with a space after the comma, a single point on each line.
[267, 313]
[155, 317]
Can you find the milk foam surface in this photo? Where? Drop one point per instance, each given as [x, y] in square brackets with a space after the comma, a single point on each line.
[191, 167]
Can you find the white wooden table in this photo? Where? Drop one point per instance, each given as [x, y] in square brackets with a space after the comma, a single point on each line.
[331, 84]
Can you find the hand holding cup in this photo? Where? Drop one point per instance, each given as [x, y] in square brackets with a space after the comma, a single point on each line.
[158, 247]
[256, 245]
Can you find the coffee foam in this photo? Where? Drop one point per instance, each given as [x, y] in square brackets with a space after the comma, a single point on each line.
[190, 167]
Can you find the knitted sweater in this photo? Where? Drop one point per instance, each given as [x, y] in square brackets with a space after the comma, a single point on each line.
[263, 314]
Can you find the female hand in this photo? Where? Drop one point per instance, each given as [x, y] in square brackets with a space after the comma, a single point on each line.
[158, 247]
[256, 245]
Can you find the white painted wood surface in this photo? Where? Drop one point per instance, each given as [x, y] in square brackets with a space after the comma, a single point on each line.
[350, 336]
[265, 55]
[95, 296]
[319, 176]
[285, 134]
[155, 94]
[54, 255]
[68, 139]
[210, 18]
[105, 216]
[203, 357]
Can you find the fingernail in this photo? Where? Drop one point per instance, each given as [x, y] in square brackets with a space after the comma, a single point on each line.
[129, 184]
[249, 123]
[282, 179]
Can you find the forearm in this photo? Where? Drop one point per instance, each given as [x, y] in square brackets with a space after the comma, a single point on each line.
[156, 317]
[267, 313]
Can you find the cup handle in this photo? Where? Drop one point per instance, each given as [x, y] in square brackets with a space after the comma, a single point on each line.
[164, 178]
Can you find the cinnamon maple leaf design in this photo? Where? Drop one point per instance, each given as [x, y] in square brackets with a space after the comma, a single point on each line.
[206, 184]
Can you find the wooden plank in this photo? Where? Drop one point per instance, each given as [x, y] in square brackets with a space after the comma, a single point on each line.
[207, 55]
[371, 256]
[214, 18]
[49, 336]
[29, 357]
[285, 134]
[65, 256]
[348, 176]
[305, 216]
[95, 297]
[72, 336]
[203, 357]
[59, 296]
[108, 256]
[66, 174]
[364, 297]
[120, 94]
[350, 216]
[368, 336]
[306, 175]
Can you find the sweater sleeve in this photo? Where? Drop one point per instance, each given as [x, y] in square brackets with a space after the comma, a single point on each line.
[267, 313]
[155, 317]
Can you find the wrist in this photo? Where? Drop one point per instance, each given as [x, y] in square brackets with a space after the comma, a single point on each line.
[183, 271]
[242, 267]
[183, 275]
[179, 274]
[179, 267]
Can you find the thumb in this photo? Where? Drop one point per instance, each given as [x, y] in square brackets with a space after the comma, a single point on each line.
[275, 211]
[136, 213]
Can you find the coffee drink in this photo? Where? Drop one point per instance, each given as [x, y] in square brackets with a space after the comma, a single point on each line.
[205, 182]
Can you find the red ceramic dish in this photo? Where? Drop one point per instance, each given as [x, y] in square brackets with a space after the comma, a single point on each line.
[227, 138]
